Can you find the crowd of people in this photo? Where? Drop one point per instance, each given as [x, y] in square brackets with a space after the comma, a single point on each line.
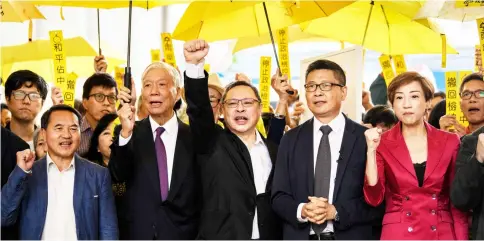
[203, 161]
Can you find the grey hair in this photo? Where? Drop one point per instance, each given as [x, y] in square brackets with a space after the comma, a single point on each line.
[36, 137]
[170, 69]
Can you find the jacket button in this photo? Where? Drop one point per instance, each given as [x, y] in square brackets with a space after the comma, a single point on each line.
[434, 196]
[409, 213]
[410, 229]
[433, 212]
[433, 228]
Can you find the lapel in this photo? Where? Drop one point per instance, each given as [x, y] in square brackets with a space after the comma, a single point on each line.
[43, 191]
[79, 184]
[304, 153]
[241, 157]
[180, 161]
[435, 143]
[148, 155]
[398, 149]
[346, 149]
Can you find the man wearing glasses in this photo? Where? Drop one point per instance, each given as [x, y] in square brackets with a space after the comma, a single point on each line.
[472, 105]
[25, 93]
[98, 98]
[236, 163]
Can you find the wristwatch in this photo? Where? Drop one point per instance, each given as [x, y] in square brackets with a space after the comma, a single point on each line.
[280, 117]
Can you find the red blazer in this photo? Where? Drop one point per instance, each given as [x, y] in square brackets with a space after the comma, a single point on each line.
[414, 212]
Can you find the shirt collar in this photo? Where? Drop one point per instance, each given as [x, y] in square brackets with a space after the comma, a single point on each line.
[85, 124]
[171, 126]
[258, 139]
[337, 124]
[51, 163]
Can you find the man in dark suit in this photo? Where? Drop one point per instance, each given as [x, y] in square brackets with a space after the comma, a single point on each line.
[154, 157]
[235, 162]
[62, 196]
[468, 186]
[318, 181]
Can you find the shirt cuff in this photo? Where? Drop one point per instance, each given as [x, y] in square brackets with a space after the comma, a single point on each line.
[28, 172]
[195, 71]
[299, 214]
[123, 141]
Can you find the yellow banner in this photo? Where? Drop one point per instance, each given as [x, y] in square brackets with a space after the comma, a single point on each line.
[387, 68]
[453, 98]
[119, 76]
[283, 43]
[58, 58]
[469, 3]
[168, 50]
[444, 51]
[265, 82]
[206, 67]
[70, 89]
[155, 55]
[478, 66]
[480, 32]
[400, 65]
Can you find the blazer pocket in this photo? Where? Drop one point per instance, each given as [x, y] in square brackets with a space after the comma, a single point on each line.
[393, 217]
[446, 217]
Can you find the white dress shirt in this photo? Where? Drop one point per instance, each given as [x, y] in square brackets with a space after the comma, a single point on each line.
[335, 139]
[60, 220]
[168, 137]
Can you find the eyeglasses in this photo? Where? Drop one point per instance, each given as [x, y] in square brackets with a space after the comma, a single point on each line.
[322, 86]
[214, 102]
[100, 98]
[20, 95]
[247, 102]
[466, 95]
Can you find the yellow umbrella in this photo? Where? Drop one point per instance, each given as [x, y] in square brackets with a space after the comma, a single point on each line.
[37, 56]
[18, 11]
[294, 34]
[105, 4]
[215, 20]
[459, 10]
[376, 27]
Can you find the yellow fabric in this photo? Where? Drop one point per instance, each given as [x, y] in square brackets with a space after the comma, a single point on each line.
[147, 4]
[389, 31]
[37, 56]
[294, 34]
[19, 11]
[205, 20]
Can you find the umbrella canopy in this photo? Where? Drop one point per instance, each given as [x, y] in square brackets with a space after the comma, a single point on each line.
[37, 56]
[216, 20]
[105, 4]
[18, 11]
[452, 10]
[376, 27]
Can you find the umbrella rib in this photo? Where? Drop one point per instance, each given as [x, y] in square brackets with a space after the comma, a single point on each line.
[388, 27]
[256, 22]
[200, 29]
[372, 3]
[320, 8]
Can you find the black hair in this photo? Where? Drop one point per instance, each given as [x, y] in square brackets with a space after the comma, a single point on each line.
[440, 94]
[20, 78]
[473, 76]
[240, 83]
[437, 112]
[380, 114]
[98, 79]
[4, 106]
[320, 64]
[93, 154]
[177, 105]
[44, 121]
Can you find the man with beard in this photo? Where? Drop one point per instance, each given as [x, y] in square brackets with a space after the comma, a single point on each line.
[471, 103]
[25, 93]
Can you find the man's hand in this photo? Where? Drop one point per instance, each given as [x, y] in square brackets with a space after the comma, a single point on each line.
[25, 159]
[125, 95]
[195, 51]
[127, 119]
[314, 212]
[100, 64]
[56, 96]
[329, 211]
[281, 86]
[242, 77]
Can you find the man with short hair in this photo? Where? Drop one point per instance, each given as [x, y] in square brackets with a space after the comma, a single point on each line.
[98, 98]
[61, 196]
[25, 93]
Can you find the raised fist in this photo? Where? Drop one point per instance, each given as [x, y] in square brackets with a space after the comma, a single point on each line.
[25, 159]
[195, 51]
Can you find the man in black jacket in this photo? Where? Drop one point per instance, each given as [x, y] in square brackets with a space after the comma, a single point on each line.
[236, 163]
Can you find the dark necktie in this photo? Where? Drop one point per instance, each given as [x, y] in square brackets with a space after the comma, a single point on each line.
[322, 173]
[162, 163]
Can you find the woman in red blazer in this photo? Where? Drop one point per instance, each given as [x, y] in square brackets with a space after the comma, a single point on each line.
[411, 167]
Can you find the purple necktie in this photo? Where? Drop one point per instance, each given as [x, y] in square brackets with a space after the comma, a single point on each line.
[162, 163]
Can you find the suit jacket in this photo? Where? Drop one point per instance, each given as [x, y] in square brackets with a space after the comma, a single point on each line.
[11, 144]
[468, 186]
[414, 212]
[25, 196]
[229, 193]
[145, 214]
[294, 182]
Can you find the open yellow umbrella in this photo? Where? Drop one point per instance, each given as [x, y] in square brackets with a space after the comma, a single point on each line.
[372, 25]
[18, 11]
[294, 34]
[37, 56]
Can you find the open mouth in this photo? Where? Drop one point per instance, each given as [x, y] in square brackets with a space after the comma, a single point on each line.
[155, 103]
[474, 110]
[66, 144]
[241, 120]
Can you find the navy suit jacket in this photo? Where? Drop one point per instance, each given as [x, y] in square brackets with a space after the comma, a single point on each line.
[24, 199]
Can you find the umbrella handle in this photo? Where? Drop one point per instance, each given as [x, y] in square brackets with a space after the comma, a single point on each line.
[127, 77]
